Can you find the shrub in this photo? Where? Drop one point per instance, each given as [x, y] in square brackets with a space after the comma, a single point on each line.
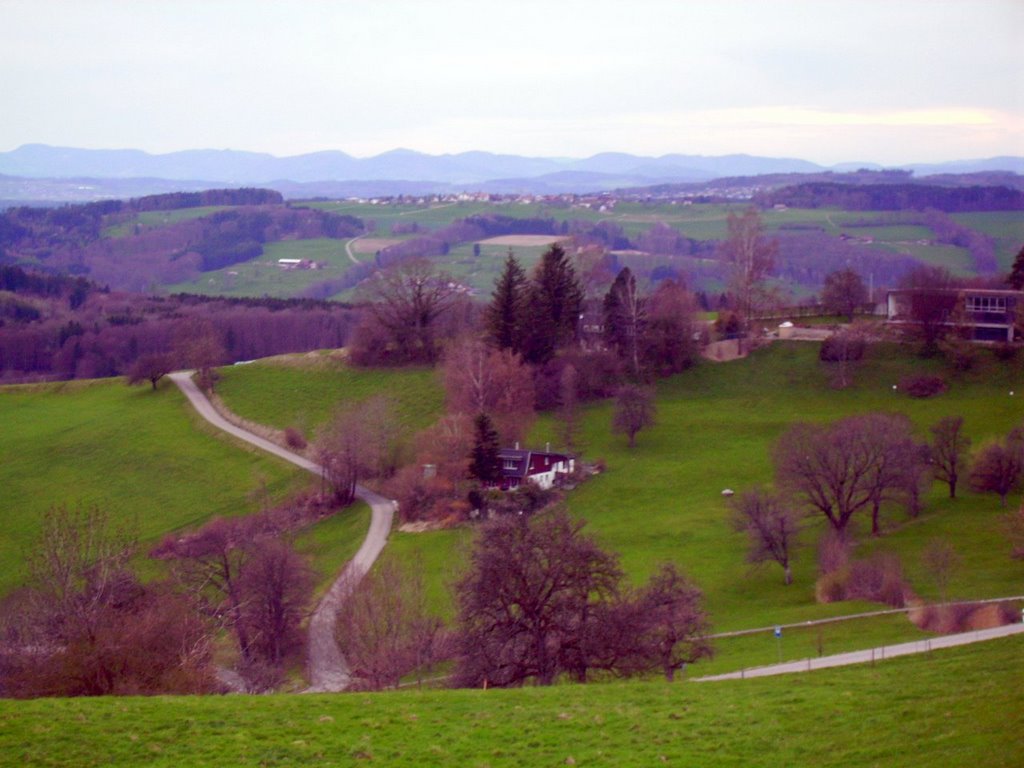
[923, 385]
[1005, 352]
[841, 347]
[878, 579]
[963, 617]
[294, 438]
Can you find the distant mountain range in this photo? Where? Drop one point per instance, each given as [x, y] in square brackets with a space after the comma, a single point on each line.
[403, 171]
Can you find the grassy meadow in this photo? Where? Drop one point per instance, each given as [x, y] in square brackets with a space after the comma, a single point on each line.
[302, 390]
[147, 459]
[263, 276]
[717, 422]
[956, 707]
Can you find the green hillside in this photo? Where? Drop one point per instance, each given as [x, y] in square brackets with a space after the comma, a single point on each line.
[958, 707]
[717, 423]
[143, 456]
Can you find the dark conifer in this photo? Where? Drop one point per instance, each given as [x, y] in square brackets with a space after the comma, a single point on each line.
[485, 465]
[556, 299]
[506, 312]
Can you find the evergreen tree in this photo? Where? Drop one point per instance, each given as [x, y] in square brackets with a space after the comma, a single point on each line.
[555, 302]
[485, 465]
[506, 313]
[1016, 276]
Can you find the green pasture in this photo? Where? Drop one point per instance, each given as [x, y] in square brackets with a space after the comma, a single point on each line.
[957, 260]
[150, 219]
[143, 456]
[302, 390]
[263, 276]
[662, 501]
[717, 422]
[956, 707]
[1007, 227]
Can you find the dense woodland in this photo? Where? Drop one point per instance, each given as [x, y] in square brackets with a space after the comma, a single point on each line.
[60, 327]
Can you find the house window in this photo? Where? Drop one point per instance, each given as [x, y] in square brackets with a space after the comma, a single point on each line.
[510, 464]
[985, 304]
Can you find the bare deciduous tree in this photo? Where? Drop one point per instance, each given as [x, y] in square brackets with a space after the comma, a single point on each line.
[385, 629]
[86, 626]
[348, 447]
[528, 598]
[853, 464]
[772, 526]
[941, 561]
[150, 368]
[948, 455]
[408, 299]
[634, 410]
[997, 468]
[541, 600]
[479, 379]
[750, 255]
[275, 584]
[844, 293]
[569, 407]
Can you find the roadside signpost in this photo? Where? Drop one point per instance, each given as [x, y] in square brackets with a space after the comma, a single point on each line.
[778, 641]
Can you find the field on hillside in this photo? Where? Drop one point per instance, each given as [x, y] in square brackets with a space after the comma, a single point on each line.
[148, 460]
[161, 218]
[301, 390]
[958, 707]
[264, 277]
[717, 423]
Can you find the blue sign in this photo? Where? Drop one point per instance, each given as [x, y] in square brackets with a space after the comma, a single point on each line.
[778, 631]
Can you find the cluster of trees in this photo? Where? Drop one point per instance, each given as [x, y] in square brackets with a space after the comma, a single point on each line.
[853, 468]
[72, 329]
[540, 602]
[896, 197]
[85, 624]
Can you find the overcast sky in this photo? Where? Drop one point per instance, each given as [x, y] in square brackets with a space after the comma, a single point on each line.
[828, 81]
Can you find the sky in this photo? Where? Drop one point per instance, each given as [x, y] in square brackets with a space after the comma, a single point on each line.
[826, 80]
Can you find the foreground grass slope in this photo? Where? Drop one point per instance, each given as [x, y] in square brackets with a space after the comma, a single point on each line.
[147, 459]
[958, 707]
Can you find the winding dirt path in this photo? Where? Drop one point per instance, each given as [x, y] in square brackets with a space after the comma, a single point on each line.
[326, 665]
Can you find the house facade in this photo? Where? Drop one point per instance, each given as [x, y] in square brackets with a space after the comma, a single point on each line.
[540, 467]
[989, 313]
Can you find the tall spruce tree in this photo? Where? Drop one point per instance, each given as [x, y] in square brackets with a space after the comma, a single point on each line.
[485, 465]
[505, 316]
[556, 299]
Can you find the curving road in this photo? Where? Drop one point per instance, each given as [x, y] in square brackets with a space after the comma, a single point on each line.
[327, 668]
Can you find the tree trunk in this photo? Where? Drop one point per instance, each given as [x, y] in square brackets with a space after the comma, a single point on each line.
[789, 574]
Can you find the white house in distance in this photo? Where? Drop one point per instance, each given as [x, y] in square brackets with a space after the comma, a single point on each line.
[990, 312]
[540, 467]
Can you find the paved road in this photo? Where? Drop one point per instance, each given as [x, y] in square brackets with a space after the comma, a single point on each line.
[326, 665]
[871, 655]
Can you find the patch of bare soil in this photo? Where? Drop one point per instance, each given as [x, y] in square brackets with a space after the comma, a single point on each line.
[523, 241]
[421, 526]
[306, 360]
[724, 351]
[948, 618]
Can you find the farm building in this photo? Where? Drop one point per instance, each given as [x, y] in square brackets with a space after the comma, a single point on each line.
[540, 467]
[989, 313]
